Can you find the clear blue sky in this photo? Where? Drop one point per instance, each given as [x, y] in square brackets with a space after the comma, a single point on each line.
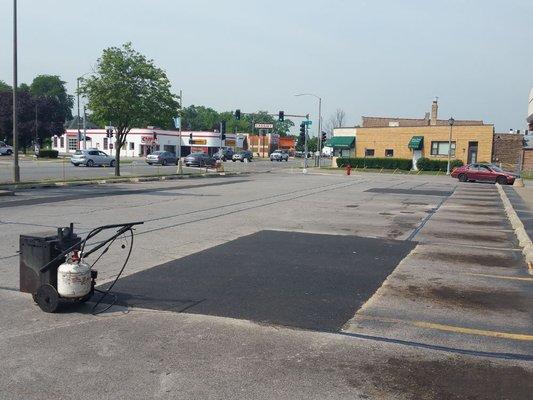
[380, 57]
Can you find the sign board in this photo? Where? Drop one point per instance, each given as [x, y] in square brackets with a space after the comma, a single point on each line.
[198, 141]
[263, 126]
[308, 122]
[148, 139]
[177, 122]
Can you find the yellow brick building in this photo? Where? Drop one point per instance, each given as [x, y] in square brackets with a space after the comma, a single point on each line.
[416, 138]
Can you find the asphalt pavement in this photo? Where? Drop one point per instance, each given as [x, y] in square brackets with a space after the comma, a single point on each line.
[279, 285]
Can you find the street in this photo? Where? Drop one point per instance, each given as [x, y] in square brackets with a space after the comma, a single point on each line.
[62, 169]
[278, 285]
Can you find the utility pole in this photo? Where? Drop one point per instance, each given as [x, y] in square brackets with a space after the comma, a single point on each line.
[305, 143]
[84, 127]
[16, 169]
[180, 167]
[78, 120]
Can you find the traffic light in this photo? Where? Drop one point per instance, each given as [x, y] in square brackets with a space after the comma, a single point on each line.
[281, 116]
[324, 138]
[223, 130]
[238, 114]
[190, 138]
[109, 132]
[302, 132]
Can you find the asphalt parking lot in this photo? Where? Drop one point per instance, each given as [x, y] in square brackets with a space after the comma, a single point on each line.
[279, 285]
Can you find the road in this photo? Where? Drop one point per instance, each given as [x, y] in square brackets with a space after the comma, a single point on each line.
[31, 170]
[279, 285]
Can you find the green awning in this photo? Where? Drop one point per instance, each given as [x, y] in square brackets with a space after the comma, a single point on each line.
[416, 143]
[341, 142]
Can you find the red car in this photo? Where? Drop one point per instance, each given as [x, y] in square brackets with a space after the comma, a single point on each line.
[483, 173]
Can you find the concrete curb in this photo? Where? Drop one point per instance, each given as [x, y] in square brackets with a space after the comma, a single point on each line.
[8, 188]
[523, 238]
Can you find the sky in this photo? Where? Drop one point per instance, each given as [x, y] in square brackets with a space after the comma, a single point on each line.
[372, 58]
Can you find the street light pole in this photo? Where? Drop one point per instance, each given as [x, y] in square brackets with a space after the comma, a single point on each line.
[319, 125]
[450, 122]
[16, 169]
[79, 122]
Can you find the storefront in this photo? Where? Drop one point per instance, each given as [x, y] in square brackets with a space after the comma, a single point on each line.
[141, 142]
[343, 146]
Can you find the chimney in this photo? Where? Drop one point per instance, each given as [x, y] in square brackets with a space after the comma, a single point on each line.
[434, 112]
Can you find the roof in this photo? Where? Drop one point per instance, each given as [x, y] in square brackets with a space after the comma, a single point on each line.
[382, 122]
[341, 142]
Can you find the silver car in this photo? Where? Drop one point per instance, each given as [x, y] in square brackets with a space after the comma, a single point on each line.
[161, 157]
[91, 157]
[5, 149]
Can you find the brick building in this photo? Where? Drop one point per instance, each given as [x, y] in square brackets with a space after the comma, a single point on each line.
[507, 149]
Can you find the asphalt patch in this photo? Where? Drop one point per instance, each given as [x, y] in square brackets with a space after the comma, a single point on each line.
[497, 237]
[514, 259]
[299, 280]
[477, 222]
[442, 193]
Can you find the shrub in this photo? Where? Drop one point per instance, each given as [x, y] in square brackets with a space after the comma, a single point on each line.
[425, 164]
[371, 162]
[48, 153]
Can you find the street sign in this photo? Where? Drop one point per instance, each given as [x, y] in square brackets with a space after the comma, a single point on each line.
[177, 122]
[263, 126]
[308, 122]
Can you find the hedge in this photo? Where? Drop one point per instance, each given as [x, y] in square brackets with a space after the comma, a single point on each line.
[47, 153]
[425, 164]
[371, 162]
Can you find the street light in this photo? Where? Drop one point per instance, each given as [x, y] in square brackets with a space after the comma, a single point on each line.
[319, 127]
[450, 122]
[78, 79]
[16, 169]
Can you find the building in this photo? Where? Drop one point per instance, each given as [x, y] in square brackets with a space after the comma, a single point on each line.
[416, 138]
[507, 149]
[264, 145]
[141, 142]
[530, 112]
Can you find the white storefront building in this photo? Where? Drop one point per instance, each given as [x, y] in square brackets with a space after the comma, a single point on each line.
[141, 142]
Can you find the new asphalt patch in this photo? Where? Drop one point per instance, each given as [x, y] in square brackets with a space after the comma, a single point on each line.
[443, 193]
[300, 280]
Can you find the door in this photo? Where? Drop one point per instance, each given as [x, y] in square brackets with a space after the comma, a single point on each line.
[103, 158]
[472, 153]
[485, 174]
[417, 154]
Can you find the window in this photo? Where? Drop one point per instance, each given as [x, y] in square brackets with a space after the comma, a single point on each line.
[389, 153]
[93, 153]
[369, 152]
[55, 141]
[72, 143]
[441, 149]
[132, 146]
[61, 142]
[106, 143]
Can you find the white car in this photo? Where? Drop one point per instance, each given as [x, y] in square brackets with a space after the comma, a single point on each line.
[279, 155]
[91, 157]
[5, 149]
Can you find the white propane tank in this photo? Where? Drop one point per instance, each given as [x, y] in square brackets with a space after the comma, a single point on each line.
[73, 278]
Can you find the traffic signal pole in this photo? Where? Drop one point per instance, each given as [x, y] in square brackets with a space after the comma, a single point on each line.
[305, 144]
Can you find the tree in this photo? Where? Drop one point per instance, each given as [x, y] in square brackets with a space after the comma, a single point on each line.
[4, 87]
[126, 91]
[336, 120]
[52, 86]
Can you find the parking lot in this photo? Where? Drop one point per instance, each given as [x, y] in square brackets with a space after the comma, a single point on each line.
[279, 285]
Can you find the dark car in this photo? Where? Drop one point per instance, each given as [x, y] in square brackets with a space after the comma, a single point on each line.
[483, 173]
[161, 157]
[199, 160]
[226, 154]
[242, 155]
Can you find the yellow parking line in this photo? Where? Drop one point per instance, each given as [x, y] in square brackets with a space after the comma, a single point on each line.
[512, 278]
[469, 331]
[450, 328]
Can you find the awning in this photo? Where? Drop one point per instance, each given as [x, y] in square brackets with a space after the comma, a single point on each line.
[416, 143]
[341, 142]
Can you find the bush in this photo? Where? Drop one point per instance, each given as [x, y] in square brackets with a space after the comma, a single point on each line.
[371, 162]
[425, 164]
[48, 153]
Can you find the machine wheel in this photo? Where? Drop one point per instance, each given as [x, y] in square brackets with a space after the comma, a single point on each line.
[89, 163]
[47, 298]
[501, 180]
[463, 178]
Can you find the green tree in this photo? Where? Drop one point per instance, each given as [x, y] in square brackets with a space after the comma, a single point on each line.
[52, 86]
[4, 87]
[126, 91]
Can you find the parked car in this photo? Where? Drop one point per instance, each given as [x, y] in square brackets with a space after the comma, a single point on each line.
[483, 173]
[279, 155]
[300, 154]
[227, 154]
[161, 157]
[5, 149]
[242, 155]
[199, 160]
[91, 157]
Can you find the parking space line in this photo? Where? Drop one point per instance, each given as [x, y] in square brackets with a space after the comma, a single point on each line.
[451, 328]
[512, 278]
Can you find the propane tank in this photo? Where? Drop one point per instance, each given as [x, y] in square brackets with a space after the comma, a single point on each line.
[73, 277]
